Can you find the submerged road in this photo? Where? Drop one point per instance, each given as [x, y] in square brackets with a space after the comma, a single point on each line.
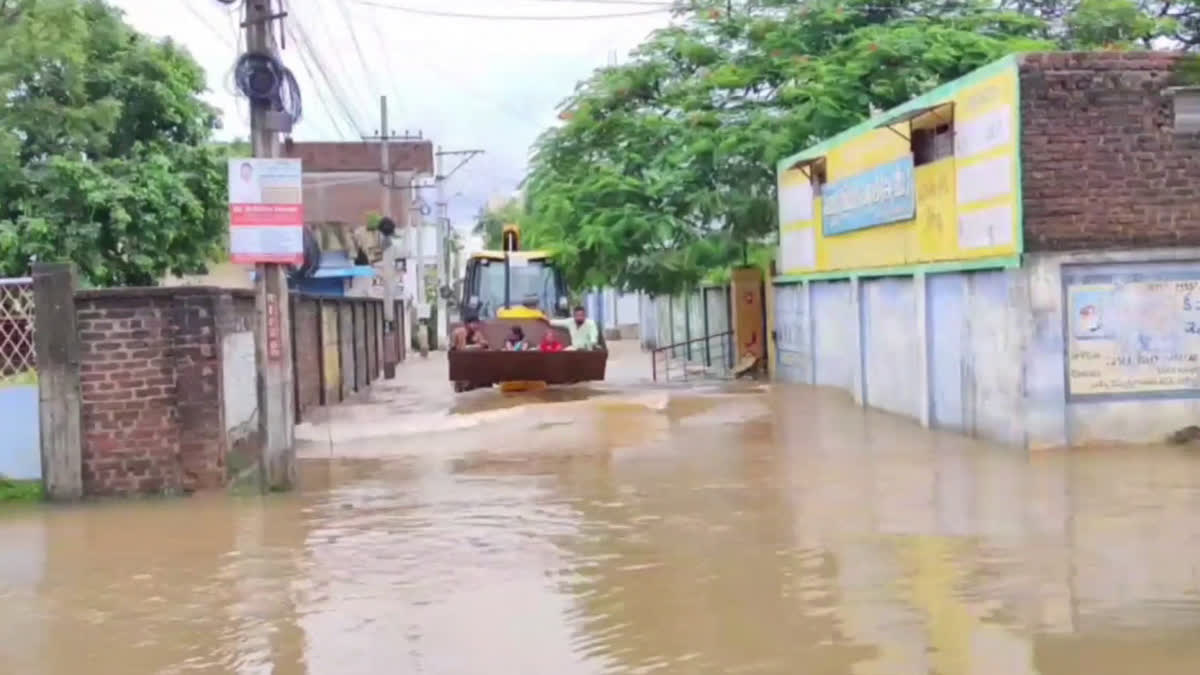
[626, 528]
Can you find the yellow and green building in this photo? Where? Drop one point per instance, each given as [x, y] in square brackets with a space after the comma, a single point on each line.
[1008, 255]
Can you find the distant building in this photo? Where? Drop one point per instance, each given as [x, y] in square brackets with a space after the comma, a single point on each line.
[342, 181]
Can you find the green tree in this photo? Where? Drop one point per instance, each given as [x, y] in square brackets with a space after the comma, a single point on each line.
[1090, 24]
[489, 223]
[663, 168]
[105, 157]
[1115, 23]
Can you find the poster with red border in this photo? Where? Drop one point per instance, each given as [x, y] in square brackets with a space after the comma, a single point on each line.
[266, 211]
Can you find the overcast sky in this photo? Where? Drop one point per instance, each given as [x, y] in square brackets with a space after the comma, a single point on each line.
[463, 82]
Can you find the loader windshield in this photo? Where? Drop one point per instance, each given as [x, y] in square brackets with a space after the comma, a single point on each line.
[533, 281]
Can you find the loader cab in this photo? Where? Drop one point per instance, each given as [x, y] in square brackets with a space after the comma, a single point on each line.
[514, 284]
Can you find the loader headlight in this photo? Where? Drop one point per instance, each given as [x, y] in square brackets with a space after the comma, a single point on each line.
[473, 302]
[562, 303]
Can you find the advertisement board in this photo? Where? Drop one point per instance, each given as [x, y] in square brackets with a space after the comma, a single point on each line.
[266, 211]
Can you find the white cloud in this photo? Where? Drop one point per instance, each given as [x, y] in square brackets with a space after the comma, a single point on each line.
[463, 83]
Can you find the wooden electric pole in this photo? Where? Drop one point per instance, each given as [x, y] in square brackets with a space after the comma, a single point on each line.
[273, 346]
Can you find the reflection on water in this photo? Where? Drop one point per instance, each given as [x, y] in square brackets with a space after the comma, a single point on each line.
[665, 531]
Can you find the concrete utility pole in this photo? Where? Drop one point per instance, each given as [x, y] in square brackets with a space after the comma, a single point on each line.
[443, 231]
[443, 221]
[57, 348]
[387, 180]
[272, 349]
[389, 250]
[420, 303]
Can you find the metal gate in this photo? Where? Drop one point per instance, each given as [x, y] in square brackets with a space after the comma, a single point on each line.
[791, 333]
[20, 454]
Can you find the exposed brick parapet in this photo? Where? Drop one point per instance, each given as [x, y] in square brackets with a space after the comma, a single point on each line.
[1102, 167]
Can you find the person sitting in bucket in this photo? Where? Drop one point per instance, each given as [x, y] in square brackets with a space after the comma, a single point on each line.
[470, 334]
[550, 342]
[516, 340]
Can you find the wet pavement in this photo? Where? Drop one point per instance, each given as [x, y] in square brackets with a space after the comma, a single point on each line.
[626, 528]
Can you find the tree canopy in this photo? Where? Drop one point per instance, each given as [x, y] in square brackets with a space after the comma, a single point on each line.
[105, 157]
[663, 168]
[490, 223]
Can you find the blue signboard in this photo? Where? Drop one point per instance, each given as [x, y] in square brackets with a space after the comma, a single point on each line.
[882, 195]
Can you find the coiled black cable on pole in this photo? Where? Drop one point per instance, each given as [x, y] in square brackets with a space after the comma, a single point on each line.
[264, 80]
[288, 100]
[259, 76]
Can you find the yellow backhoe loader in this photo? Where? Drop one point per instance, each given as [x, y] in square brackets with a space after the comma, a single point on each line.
[511, 287]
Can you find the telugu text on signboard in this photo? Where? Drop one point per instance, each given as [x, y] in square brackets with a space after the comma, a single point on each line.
[266, 213]
[882, 195]
[1133, 335]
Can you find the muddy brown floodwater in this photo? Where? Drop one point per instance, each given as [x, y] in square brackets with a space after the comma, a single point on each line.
[627, 529]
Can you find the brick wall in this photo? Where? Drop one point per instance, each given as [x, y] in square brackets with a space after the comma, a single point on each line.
[127, 384]
[1101, 166]
[320, 156]
[153, 381]
[150, 385]
[348, 198]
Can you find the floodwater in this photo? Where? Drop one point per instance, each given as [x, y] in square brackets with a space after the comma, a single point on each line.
[628, 529]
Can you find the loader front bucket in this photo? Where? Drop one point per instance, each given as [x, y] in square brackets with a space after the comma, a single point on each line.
[485, 368]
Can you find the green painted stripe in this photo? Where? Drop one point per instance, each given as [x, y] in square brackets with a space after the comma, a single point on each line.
[1006, 262]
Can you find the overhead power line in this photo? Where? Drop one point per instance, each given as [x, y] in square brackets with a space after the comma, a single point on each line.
[337, 93]
[509, 17]
[347, 84]
[362, 59]
[394, 83]
[325, 105]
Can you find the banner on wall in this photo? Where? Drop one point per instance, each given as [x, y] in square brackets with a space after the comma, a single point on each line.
[1133, 335]
[882, 195]
[266, 211]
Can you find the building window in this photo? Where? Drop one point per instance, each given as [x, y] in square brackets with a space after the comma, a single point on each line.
[1187, 110]
[817, 176]
[929, 144]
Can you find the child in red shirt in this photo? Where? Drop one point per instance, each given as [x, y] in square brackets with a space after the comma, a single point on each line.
[550, 342]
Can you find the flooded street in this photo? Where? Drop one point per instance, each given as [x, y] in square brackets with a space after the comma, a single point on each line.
[626, 529]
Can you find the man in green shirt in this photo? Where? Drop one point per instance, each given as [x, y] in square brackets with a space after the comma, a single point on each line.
[584, 334]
